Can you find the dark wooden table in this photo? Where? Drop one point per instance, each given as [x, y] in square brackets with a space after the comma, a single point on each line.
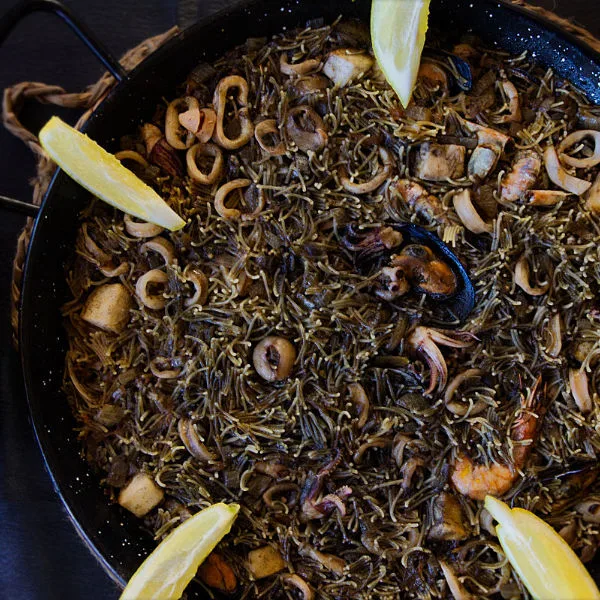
[41, 556]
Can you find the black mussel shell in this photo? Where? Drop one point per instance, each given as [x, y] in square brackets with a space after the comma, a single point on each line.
[460, 76]
[369, 255]
[462, 302]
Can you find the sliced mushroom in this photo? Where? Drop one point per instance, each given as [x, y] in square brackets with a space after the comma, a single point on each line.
[440, 162]
[221, 95]
[359, 398]
[576, 138]
[382, 175]
[448, 519]
[544, 197]
[265, 129]
[265, 561]
[309, 85]
[234, 213]
[159, 152]
[457, 589]
[560, 177]
[346, 64]
[552, 336]
[191, 440]
[274, 358]
[329, 561]
[578, 382]
[306, 128]
[107, 307]
[192, 159]
[468, 214]
[459, 408]
[200, 282]
[161, 246]
[296, 69]
[161, 368]
[141, 495]
[177, 136]
[141, 229]
[148, 297]
[522, 279]
[590, 511]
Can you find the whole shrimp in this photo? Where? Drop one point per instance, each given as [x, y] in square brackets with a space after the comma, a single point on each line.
[476, 481]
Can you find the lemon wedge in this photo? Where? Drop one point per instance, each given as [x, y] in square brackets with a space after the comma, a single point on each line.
[167, 571]
[398, 29]
[544, 561]
[103, 175]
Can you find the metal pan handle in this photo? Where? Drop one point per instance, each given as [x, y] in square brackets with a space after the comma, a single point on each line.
[18, 12]
[12, 18]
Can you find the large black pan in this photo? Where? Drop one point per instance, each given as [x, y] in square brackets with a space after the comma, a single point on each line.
[116, 538]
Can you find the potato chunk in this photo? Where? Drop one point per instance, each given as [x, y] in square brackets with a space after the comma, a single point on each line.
[141, 495]
[108, 307]
[265, 561]
[345, 65]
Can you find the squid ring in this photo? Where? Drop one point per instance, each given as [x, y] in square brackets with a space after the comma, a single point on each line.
[193, 169]
[378, 179]
[177, 136]
[234, 213]
[265, 128]
[220, 101]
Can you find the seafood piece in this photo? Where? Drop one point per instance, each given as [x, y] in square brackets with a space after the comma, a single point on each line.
[372, 243]
[346, 64]
[576, 138]
[197, 155]
[265, 129]
[217, 574]
[333, 563]
[578, 382]
[448, 519]
[478, 480]
[297, 582]
[383, 173]
[300, 68]
[424, 342]
[544, 197]
[306, 128]
[107, 307]
[521, 177]
[421, 201]
[440, 162]
[468, 214]
[147, 292]
[177, 135]
[514, 104]
[199, 121]
[560, 177]
[482, 162]
[246, 127]
[274, 358]
[522, 272]
[419, 267]
[592, 198]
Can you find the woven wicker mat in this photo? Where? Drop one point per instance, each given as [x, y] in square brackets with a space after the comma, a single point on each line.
[87, 100]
